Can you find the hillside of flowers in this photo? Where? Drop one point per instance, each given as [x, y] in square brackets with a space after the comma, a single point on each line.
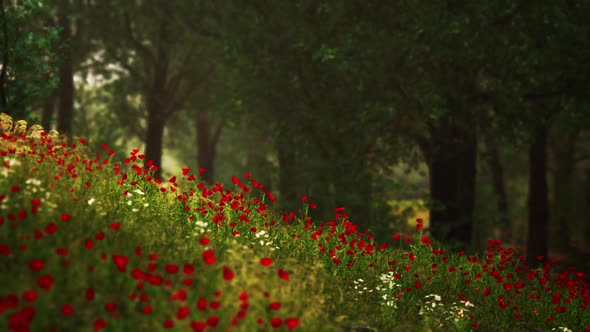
[88, 244]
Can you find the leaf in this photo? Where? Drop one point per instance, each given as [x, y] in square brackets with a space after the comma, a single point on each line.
[438, 113]
[325, 53]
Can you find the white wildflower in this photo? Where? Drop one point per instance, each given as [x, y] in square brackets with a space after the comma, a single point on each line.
[262, 233]
[13, 162]
[434, 302]
[266, 243]
[459, 311]
[34, 182]
[10, 163]
[468, 304]
[91, 201]
[391, 304]
[389, 280]
[433, 297]
[200, 223]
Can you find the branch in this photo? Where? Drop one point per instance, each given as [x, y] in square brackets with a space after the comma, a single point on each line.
[179, 102]
[180, 74]
[174, 82]
[124, 63]
[141, 48]
[201, 31]
[206, 33]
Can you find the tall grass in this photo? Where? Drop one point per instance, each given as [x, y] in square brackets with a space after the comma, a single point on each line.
[87, 244]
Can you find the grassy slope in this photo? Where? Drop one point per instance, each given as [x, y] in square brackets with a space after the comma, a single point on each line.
[75, 225]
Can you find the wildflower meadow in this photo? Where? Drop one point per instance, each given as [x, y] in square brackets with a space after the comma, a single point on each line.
[87, 244]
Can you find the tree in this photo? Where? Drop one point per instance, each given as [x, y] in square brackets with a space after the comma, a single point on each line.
[207, 139]
[521, 80]
[165, 48]
[66, 78]
[315, 100]
[434, 76]
[496, 169]
[433, 70]
[29, 63]
[547, 69]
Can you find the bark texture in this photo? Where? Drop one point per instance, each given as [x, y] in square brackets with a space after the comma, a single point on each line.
[155, 134]
[538, 204]
[451, 157]
[497, 173]
[66, 78]
[207, 139]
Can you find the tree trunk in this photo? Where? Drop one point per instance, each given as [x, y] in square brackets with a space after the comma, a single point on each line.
[451, 159]
[466, 174]
[537, 200]
[47, 112]
[155, 137]
[207, 145]
[563, 156]
[257, 162]
[66, 76]
[287, 174]
[157, 109]
[443, 191]
[497, 171]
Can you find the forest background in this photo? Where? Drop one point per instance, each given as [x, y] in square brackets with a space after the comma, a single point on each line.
[473, 115]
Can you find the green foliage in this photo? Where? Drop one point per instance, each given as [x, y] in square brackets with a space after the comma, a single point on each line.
[309, 85]
[28, 56]
[347, 88]
[95, 118]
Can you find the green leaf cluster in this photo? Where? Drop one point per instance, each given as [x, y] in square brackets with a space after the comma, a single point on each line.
[28, 55]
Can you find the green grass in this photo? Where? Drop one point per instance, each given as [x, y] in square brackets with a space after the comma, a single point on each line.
[86, 245]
